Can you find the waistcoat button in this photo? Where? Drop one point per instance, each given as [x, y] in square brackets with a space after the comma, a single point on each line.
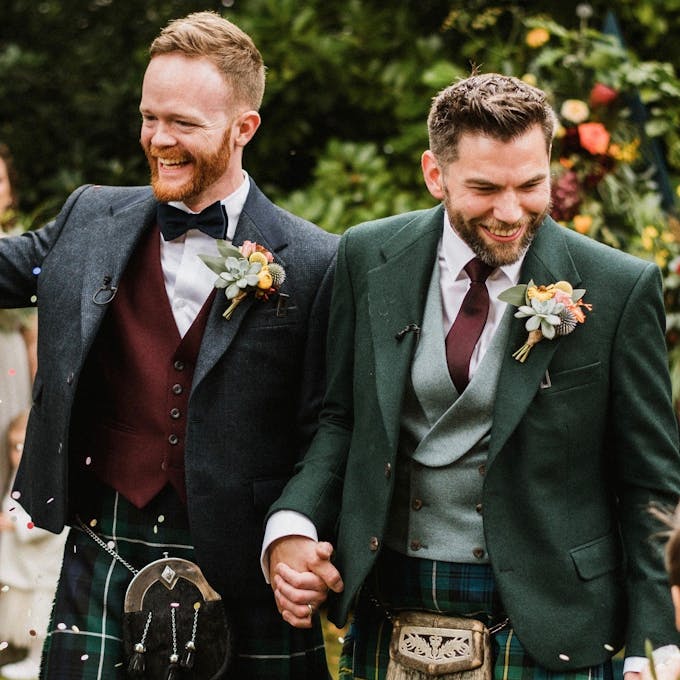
[175, 413]
[179, 365]
[417, 504]
[478, 508]
[478, 553]
[173, 439]
[373, 543]
[177, 388]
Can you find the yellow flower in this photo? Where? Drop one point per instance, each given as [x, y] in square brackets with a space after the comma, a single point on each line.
[650, 231]
[582, 223]
[541, 293]
[537, 37]
[530, 79]
[264, 279]
[667, 237]
[258, 257]
[661, 258]
[575, 110]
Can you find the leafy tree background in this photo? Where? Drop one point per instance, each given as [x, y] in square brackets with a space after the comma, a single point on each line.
[349, 85]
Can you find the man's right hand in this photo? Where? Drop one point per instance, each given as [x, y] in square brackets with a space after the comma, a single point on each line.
[301, 573]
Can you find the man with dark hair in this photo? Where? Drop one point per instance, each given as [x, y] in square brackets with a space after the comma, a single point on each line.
[167, 416]
[497, 417]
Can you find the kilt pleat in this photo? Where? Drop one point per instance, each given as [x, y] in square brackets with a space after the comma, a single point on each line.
[84, 640]
[401, 582]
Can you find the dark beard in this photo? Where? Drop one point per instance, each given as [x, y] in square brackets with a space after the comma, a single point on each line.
[499, 254]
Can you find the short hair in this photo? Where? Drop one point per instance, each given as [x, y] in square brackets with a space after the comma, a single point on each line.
[209, 35]
[12, 176]
[491, 104]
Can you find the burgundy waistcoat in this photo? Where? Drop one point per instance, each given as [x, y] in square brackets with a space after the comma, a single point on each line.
[131, 422]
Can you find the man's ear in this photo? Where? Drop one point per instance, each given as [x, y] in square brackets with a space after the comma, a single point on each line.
[675, 594]
[245, 126]
[433, 175]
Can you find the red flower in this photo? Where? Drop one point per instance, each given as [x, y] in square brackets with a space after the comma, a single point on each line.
[601, 95]
[594, 137]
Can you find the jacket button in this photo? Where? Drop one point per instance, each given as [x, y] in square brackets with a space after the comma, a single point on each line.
[173, 439]
[175, 413]
[416, 545]
[482, 469]
[177, 388]
[373, 543]
[478, 508]
[478, 553]
[417, 504]
[388, 470]
[179, 365]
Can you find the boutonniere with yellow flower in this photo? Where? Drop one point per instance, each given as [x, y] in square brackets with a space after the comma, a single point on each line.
[550, 311]
[243, 270]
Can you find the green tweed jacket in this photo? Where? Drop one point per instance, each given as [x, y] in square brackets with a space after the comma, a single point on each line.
[584, 437]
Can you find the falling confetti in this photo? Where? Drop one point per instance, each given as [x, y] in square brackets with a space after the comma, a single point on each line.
[4, 645]
[84, 657]
[16, 495]
[75, 629]
[608, 647]
[36, 270]
[30, 525]
[61, 626]
[4, 589]
[161, 519]
[88, 460]
[49, 500]
[34, 299]
[32, 633]
[12, 371]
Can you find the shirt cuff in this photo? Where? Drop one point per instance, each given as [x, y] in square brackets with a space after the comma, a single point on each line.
[634, 664]
[284, 523]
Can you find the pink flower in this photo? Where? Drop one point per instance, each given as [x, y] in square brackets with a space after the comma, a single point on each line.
[594, 137]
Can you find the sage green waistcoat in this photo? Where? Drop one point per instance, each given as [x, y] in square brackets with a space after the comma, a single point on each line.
[436, 510]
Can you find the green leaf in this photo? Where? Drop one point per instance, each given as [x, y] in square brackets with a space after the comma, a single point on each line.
[226, 250]
[215, 263]
[514, 296]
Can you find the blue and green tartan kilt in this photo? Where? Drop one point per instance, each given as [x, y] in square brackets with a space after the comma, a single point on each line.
[453, 589]
[84, 640]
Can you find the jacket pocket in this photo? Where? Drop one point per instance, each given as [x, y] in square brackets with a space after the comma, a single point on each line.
[574, 377]
[597, 557]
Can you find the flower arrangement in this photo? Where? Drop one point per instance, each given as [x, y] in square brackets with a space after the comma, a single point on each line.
[550, 311]
[242, 270]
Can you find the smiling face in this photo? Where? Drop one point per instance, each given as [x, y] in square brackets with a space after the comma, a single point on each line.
[192, 132]
[496, 193]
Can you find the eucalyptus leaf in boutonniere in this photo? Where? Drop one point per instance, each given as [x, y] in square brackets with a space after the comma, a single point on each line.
[244, 270]
[550, 311]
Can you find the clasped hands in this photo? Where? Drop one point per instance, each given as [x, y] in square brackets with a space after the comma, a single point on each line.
[301, 574]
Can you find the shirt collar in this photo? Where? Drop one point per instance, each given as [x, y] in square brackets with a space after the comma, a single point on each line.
[233, 205]
[457, 253]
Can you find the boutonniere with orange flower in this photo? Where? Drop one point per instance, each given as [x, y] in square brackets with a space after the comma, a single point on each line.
[550, 311]
[242, 270]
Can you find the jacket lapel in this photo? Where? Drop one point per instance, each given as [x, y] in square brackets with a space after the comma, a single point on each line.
[547, 261]
[258, 222]
[117, 233]
[397, 291]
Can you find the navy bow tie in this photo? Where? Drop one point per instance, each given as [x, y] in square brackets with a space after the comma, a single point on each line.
[175, 222]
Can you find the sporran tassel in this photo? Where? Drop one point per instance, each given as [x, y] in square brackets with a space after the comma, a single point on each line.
[174, 672]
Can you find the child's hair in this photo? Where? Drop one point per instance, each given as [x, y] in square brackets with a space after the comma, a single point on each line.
[671, 518]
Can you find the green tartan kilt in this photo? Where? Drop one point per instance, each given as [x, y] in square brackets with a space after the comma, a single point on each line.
[84, 640]
[401, 582]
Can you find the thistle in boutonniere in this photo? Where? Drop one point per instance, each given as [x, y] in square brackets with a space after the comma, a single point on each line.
[550, 311]
[241, 271]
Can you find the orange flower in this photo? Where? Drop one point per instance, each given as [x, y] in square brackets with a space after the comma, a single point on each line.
[537, 37]
[582, 223]
[594, 137]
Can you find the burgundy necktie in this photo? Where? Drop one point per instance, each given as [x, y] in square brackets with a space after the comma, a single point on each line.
[466, 329]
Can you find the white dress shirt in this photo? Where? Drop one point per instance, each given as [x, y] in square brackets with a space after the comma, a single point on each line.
[188, 281]
[453, 255]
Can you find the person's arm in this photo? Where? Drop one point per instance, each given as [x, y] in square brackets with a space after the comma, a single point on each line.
[642, 451]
